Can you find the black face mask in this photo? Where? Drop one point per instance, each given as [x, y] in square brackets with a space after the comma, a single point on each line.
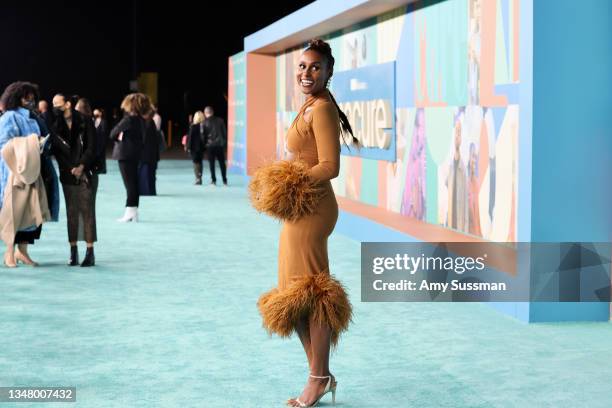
[58, 112]
[30, 105]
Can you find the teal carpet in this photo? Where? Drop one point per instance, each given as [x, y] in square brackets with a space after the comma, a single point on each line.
[168, 319]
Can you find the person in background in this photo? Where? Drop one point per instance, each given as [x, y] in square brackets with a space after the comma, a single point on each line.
[74, 144]
[149, 158]
[184, 129]
[215, 135]
[42, 116]
[43, 107]
[101, 140]
[195, 145]
[157, 119]
[28, 204]
[101, 137]
[84, 107]
[129, 135]
[45, 113]
[160, 133]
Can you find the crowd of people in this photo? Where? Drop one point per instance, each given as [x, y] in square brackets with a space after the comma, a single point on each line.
[32, 133]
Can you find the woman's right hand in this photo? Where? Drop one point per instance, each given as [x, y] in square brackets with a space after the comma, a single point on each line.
[120, 137]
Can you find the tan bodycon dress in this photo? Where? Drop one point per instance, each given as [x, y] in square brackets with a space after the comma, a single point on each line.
[314, 139]
[306, 289]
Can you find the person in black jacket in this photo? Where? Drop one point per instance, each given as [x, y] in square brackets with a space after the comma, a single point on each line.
[149, 158]
[101, 140]
[129, 135]
[215, 134]
[195, 145]
[73, 145]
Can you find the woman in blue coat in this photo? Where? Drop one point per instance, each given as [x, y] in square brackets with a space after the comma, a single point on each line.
[17, 101]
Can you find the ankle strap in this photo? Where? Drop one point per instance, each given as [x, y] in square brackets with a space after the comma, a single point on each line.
[316, 376]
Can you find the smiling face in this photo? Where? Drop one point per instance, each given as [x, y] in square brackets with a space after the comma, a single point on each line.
[312, 73]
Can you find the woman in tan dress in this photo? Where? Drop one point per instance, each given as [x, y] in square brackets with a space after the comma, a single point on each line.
[308, 300]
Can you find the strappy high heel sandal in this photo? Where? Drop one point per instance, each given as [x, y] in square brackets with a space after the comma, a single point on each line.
[329, 387]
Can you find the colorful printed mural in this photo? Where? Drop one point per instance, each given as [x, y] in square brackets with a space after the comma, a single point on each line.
[236, 114]
[456, 113]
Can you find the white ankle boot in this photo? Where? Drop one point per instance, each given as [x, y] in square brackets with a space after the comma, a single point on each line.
[131, 214]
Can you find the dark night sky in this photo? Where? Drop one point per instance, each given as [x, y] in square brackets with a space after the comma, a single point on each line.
[72, 47]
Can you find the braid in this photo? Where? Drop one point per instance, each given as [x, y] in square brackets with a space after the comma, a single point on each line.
[324, 49]
[344, 123]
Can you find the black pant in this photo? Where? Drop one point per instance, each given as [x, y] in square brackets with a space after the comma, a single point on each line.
[129, 173]
[218, 153]
[146, 178]
[196, 157]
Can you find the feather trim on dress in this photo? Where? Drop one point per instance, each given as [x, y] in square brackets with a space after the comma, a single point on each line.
[320, 296]
[284, 190]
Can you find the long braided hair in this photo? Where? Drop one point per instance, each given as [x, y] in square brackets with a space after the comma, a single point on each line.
[324, 49]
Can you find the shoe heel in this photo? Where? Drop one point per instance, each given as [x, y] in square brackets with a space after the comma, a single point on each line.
[333, 391]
